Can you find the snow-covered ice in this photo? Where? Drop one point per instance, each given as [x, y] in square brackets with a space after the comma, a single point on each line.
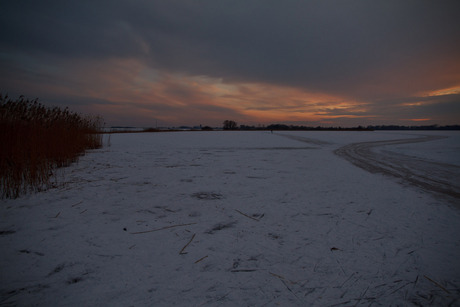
[238, 219]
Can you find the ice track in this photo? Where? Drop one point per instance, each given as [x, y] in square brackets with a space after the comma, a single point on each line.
[435, 177]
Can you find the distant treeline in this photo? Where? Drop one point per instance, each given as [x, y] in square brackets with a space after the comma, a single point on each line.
[283, 127]
[431, 127]
[359, 128]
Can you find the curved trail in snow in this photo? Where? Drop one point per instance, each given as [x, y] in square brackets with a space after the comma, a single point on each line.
[434, 177]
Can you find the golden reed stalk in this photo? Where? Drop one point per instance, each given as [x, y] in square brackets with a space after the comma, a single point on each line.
[34, 140]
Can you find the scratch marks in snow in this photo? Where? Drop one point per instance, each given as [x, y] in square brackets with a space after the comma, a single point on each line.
[26, 251]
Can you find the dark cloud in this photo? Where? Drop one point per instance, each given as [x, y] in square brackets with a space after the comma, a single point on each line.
[323, 45]
[67, 29]
[373, 51]
[329, 46]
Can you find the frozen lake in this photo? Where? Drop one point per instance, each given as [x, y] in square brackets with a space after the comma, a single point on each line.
[242, 219]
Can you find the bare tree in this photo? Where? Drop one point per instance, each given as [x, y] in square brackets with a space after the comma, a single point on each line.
[230, 125]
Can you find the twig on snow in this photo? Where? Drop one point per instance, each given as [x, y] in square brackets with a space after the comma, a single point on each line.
[77, 204]
[183, 248]
[246, 215]
[202, 258]
[437, 284]
[162, 228]
[276, 275]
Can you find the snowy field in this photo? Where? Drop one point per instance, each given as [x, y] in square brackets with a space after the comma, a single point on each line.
[242, 219]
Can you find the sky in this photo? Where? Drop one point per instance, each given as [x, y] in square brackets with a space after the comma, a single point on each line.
[188, 63]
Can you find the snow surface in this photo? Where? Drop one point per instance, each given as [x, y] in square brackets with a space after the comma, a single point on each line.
[234, 219]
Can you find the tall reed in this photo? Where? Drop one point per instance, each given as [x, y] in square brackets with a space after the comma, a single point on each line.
[34, 140]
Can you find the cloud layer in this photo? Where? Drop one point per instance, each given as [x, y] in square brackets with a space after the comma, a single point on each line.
[200, 62]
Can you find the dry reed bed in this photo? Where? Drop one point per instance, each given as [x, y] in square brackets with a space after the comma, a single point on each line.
[35, 139]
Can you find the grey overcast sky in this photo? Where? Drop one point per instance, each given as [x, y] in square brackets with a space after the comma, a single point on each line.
[177, 62]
